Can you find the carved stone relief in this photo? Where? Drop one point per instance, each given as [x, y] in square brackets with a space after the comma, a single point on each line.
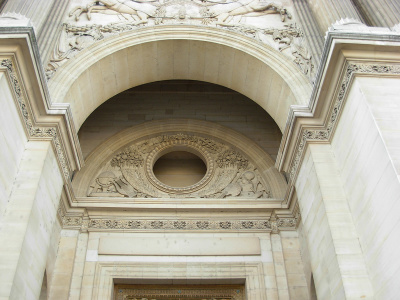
[129, 173]
[265, 21]
[34, 131]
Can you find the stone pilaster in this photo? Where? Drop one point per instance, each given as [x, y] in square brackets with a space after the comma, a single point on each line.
[51, 30]
[279, 264]
[337, 259]
[27, 223]
[46, 16]
[36, 10]
[312, 34]
[379, 13]
[64, 266]
[327, 12]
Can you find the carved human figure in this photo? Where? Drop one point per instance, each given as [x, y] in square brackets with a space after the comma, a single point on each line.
[246, 186]
[136, 8]
[249, 188]
[253, 8]
[141, 10]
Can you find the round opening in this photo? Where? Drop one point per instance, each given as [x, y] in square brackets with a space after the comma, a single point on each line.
[179, 169]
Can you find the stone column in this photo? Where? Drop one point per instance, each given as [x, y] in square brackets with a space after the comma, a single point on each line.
[28, 221]
[327, 12]
[379, 13]
[337, 260]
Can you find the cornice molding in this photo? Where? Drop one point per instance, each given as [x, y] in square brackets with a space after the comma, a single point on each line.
[41, 121]
[346, 56]
[80, 220]
[33, 131]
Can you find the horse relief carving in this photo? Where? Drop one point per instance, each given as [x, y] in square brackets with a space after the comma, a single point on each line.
[265, 21]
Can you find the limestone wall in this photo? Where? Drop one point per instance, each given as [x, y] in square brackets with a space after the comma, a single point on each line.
[365, 148]
[29, 221]
[270, 265]
[12, 141]
[177, 100]
[313, 216]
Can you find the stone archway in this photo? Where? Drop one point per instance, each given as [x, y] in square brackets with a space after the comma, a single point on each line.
[180, 52]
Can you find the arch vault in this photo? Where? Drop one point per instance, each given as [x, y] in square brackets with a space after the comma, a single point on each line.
[180, 52]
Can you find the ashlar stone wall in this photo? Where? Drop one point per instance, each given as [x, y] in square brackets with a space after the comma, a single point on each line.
[180, 100]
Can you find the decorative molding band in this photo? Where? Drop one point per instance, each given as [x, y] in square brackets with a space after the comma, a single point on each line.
[79, 222]
[33, 131]
[178, 224]
[106, 273]
[325, 134]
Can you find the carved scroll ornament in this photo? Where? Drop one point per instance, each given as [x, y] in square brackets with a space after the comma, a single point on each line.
[129, 173]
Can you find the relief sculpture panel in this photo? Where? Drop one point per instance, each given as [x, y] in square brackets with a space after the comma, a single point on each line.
[268, 22]
[229, 172]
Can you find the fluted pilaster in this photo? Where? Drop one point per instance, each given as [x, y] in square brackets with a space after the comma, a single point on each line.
[380, 13]
[35, 10]
[313, 37]
[51, 30]
[46, 16]
[327, 12]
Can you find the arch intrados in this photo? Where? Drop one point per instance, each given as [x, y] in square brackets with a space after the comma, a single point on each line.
[180, 52]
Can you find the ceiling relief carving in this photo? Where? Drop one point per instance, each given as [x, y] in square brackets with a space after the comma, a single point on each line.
[269, 22]
[129, 172]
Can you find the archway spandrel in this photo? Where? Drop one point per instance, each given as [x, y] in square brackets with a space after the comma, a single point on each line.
[206, 55]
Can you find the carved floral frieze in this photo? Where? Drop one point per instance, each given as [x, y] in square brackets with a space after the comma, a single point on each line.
[34, 131]
[134, 224]
[269, 22]
[129, 173]
[325, 134]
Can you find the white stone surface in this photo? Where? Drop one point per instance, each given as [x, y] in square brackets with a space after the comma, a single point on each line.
[12, 141]
[329, 228]
[271, 261]
[366, 152]
[30, 216]
[222, 246]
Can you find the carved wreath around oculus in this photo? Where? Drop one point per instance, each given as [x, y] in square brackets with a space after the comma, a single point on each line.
[129, 173]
